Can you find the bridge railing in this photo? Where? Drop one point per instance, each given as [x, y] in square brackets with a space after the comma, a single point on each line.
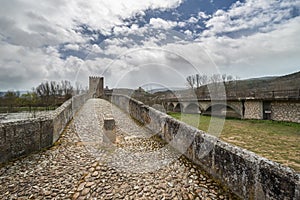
[268, 94]
[232, 95]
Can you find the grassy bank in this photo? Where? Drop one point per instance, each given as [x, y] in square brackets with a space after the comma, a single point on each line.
[278, 141]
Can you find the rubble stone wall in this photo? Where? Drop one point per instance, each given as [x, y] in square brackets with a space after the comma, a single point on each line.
[283, 111]
[253, 110]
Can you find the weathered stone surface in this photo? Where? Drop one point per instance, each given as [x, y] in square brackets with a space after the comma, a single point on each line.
[285, 111]
[253, 109]
[276, 180]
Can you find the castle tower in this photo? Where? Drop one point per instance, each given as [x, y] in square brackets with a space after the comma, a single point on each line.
[96, 84]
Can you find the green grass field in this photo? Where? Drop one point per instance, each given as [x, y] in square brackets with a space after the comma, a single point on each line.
[278, 141]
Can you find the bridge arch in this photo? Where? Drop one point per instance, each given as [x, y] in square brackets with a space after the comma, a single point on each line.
[178, 108]
[192, 108]
[170, 107]
[223, 110]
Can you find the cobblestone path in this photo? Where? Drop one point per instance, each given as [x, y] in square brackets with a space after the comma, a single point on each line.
[85, 164]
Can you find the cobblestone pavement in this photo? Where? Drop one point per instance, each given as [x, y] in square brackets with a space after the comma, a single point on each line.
[85, 164]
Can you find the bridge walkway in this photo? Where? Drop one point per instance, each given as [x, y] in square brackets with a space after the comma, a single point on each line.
[83, 164]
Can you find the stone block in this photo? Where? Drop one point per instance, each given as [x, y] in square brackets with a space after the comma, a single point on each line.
[31, 138]
[109, 123]
[46, 127]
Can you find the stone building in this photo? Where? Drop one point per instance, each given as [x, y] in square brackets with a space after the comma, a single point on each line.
[96, 89]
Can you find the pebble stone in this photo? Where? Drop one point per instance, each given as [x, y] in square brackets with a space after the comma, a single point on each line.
[84, 164]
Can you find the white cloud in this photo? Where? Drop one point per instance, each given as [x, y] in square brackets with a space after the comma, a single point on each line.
[188, 32]
[31, 33]
[181, 24]
[74, 47]
[267, 53]
[251, 15]
[271, 49]
[160, 23]
[53, 22]
[203, 15]
[192, 20]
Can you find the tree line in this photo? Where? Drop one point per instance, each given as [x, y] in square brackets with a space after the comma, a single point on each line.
[47, 94]
[198, 80]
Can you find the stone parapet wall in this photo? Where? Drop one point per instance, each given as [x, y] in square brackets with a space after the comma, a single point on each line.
[23, 137]
[245, 173]
[285, 111]
[253, 110]
[61, 118]
[19, 138]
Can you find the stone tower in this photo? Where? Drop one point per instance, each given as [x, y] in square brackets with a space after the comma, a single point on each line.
[96, 89]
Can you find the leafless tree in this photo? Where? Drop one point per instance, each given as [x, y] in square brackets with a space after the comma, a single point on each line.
[191, 81]
[230, 78]
[54, 88]
[67, 89]
[197, 80]
[44, 90]
[215, 78]
[224, 78]
[79, 88]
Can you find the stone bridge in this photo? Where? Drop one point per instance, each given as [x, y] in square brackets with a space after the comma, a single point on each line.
[84, 164]
[276, 108]
[232, 108]
[70, 155]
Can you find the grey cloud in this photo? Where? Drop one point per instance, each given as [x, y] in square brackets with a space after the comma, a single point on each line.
[14, 35]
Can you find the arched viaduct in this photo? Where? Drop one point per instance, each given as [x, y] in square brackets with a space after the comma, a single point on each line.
[279, 109]
[219, 107]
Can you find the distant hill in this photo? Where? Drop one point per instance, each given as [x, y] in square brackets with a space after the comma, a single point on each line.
[164, 90]
[286, 82]
[243, 87]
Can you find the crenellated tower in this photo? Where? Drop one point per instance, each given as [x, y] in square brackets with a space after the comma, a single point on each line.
[96, 86]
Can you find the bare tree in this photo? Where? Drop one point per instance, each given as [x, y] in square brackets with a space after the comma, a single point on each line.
[54, 88]
[198, 80]
[191, 81]
[224, 78]
[67, 89]
[79, 88]
[203, 79]
[229, 78]
[215, 78]
[44, 90]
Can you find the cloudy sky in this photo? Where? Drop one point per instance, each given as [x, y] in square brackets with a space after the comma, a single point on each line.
[138, 43]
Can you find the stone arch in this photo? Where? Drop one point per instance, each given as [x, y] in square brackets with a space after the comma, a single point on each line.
[192, 108]
[178, 107]
[223, 110]
[170, 107]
